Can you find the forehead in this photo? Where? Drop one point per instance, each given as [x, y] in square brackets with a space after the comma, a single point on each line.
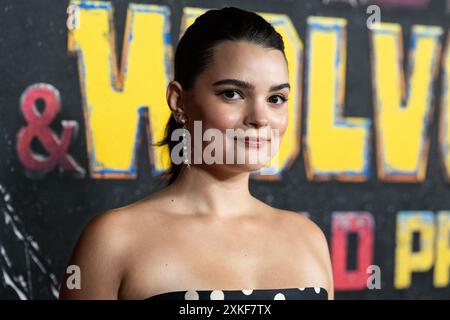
[247, 61]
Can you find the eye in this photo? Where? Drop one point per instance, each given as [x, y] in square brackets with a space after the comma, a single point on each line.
[230, 94]
[281, 99]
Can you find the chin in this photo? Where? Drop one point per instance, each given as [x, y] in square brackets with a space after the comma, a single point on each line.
[249, 167]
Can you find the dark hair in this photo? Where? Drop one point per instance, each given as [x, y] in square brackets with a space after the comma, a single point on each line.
[195, 51]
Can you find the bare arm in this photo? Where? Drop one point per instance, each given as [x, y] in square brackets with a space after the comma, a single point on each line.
[99, 254]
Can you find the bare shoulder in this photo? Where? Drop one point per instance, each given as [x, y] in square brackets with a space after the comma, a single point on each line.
[109, 228]
[100, 255]
[307, 233]
[308, 227]
[116, 230]
[303, 229]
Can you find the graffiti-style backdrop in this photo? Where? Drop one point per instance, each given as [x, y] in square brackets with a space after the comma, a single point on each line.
[366, 154]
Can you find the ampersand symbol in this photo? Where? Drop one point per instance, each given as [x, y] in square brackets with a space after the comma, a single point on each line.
[38, 126]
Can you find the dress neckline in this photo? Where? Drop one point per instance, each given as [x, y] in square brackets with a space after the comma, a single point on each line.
[191, 294]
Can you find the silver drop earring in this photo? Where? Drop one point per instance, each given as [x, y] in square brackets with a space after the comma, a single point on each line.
[185, 151]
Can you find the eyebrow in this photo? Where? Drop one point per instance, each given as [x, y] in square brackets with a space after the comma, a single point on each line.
[249, 86]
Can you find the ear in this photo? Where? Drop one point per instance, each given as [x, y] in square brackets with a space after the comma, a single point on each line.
[174, 97]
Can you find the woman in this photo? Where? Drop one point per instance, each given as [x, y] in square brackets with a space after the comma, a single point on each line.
[204, 236]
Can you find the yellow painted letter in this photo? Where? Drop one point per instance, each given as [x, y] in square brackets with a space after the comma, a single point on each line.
[442, 265]
[114, 102]
[444, 129]
[402, 121]
[335, 147]
[406, 260]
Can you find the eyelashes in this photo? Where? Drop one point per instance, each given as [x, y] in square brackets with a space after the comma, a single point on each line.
[224, 92]
[233, 91]
[283, 99]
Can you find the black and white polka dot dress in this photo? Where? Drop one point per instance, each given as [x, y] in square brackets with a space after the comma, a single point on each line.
[309, 293]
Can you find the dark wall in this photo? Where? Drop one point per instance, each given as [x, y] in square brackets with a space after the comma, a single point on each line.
[44, 213]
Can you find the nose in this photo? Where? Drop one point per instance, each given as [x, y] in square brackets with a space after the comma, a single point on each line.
[257, 115]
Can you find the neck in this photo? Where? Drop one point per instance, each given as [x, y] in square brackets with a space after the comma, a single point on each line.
[212, 190]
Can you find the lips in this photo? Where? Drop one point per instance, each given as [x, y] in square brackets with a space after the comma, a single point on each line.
[254, 141]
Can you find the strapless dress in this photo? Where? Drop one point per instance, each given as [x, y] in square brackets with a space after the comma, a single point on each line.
[308, 293]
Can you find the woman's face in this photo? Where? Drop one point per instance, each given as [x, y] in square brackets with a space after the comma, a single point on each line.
[244, 88]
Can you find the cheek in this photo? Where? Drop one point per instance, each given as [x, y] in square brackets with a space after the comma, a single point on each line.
[220, 117]
[279, 121]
